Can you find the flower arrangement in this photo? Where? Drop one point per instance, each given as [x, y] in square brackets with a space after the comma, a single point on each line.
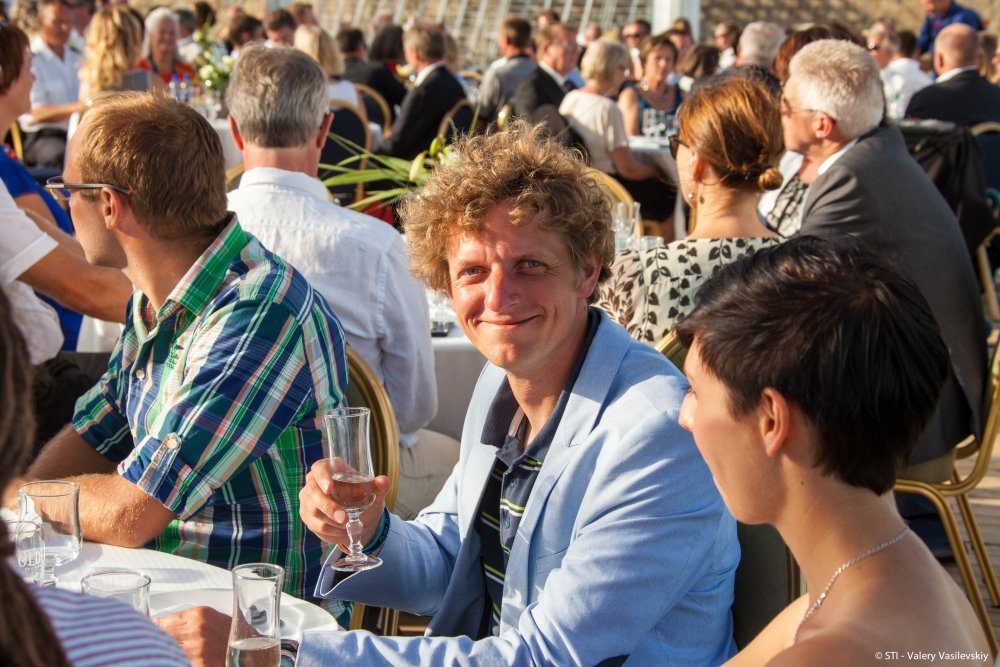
[214, 65]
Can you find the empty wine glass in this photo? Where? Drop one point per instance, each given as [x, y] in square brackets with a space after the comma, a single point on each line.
[127, 586]
[353, 485]
[255, 633]
[55, 506]
[29, 546]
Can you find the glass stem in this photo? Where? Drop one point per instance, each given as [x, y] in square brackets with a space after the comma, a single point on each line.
[354, 528]
[47, 577]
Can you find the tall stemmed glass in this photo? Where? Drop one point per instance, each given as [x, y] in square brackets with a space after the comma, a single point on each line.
[353, 480]
[55, 506]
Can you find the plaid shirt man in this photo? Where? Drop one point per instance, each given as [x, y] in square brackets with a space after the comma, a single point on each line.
[210, 406]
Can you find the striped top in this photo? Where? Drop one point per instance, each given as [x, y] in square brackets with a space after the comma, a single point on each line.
[99, 632]
[210, 406]
[511, 480]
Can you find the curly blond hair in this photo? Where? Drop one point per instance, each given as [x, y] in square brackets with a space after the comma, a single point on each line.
[520, 166]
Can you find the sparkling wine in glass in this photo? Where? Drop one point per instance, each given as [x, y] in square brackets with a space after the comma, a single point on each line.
[347, 432]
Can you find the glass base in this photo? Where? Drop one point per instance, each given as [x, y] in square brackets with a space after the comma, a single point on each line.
[347, 564]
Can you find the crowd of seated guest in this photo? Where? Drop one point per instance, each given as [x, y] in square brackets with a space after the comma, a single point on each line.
[237, 308]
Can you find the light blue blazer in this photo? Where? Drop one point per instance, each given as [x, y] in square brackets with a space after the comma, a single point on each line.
[624, 550]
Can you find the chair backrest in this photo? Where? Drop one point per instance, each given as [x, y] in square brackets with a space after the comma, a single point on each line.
[457, 121]
[364, 390]
[348, 123]
[233, 176]
[471, 74]
[671, 347]
[17, 141]
[767, 580]
[988, 137]
[376, 108]
[615, 191]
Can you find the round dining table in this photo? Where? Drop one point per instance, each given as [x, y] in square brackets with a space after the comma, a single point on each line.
[178, 583]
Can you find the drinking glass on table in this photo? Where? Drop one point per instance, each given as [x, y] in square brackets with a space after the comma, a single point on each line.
[127, 586]
[29, 547]
[347, 433]
[650, 122]
[55, 506]
[255, 633]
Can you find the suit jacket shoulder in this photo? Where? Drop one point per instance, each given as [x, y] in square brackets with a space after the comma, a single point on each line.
[966, 99]
[539, 89]
[421, 113]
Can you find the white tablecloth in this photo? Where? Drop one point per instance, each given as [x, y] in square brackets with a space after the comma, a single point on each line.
[657, 151]
[180, 583]
[457, 365]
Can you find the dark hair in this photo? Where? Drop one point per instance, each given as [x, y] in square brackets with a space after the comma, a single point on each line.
[907, 43]
[732, 29]
[840, 332]
[13, 55]
[26, 635]
[204, 14]
[794, 43]
[647, 27]
[759, 74]
[387, 44]
[280, 18]
[186, 19]
[350, 40]
[517, 32]
[700, 61]
[247, 25]
[45, 3]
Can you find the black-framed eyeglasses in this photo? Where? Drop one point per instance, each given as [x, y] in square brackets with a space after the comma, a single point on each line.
[675, 144]
[63, 190]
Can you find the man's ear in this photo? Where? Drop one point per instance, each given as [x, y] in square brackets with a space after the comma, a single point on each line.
[235, 131]
[115, 208]
[324, 129]
[774, 420]
[591, 273]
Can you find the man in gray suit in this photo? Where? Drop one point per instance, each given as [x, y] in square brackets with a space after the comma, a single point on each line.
[868, 186]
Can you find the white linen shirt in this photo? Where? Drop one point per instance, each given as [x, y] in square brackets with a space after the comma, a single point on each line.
[901, 78]
[22, 244]
[57, 81]
[359, 265]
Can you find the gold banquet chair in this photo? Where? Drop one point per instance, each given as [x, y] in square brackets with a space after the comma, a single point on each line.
[767, 579]
[365, 390]
[959, 488]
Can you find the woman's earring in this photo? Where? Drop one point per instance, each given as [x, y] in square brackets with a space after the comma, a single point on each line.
[690, 195]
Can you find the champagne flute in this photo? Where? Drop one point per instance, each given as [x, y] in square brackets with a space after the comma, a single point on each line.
[353, 485]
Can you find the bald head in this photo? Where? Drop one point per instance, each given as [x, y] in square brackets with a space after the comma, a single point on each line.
[957, 45]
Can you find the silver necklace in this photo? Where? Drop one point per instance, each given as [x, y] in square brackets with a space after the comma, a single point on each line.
[840, 570]
[648, 93]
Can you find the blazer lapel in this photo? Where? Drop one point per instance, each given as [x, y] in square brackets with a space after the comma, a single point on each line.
[583, 410]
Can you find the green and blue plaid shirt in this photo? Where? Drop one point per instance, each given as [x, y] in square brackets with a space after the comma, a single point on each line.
[210, 406]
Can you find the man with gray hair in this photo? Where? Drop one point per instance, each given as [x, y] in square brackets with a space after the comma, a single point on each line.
[759, 44]
[279, 116]
[434, 93]
[901, 75]
[960, 94]
[868, 186]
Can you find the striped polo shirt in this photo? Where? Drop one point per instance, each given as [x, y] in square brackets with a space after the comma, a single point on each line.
[211, 404]
[510, 482]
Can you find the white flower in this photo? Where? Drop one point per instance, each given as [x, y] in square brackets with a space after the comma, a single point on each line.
[206, 72]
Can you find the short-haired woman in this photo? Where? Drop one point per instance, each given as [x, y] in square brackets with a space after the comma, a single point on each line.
[598, 121]
[658, 56]
[729, 139]
[814, 368]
